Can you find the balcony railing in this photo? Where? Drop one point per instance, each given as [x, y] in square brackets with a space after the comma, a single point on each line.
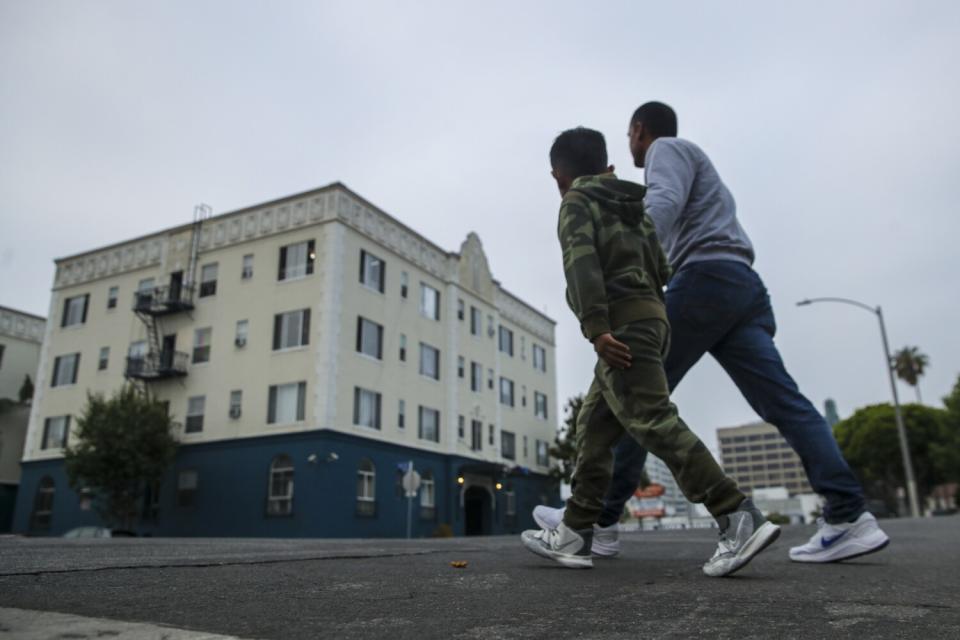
[160, 301]
[158, 366]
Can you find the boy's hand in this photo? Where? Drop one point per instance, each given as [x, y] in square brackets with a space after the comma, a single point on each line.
[614, 353]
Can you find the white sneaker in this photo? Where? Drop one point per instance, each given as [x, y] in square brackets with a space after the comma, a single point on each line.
[564, 545]
[606, 540]
[835, 542]
[743, 534]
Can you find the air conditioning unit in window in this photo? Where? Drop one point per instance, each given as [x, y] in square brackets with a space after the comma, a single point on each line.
[234, 412]
[240, 342]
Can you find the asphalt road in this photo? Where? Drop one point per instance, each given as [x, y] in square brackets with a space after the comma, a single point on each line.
[407, 589]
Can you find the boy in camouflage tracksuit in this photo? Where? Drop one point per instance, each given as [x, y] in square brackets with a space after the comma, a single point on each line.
[616, 272]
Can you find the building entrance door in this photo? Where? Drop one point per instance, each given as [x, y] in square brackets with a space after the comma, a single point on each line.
[476, 508]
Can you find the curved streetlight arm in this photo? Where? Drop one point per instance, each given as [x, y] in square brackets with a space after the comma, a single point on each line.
[873, 310]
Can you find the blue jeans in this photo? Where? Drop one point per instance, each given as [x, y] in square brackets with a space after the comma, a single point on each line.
[722, 308]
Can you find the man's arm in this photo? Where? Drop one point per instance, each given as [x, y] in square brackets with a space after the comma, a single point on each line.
[586, 291]
[669, 177]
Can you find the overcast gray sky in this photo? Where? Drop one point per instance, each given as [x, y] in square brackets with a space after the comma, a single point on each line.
[833, 123]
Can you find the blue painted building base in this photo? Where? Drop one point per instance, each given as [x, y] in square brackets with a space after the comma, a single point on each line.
[232, 489]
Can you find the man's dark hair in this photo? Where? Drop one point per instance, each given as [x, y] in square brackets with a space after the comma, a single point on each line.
[657, 118]
[579, 152]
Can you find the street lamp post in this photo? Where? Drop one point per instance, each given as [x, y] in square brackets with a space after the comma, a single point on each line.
[901, 430]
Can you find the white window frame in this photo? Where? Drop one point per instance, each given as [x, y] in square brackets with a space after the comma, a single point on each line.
[274, 392]
[373, 271]
[75, 310]
[294, 329]
[113, 296]
[367, 406]
[425, 351]
[236, 403]
[246, 267]
[201, 347]
[366, 487]
[56, 430]
[540, 405]
[429, 302]
[59, 377]
[369, 338]
[103, 359]
[196, 408]
[295, 261]
[507, 392]
[280, 504]
[208, 276]
[421, 424]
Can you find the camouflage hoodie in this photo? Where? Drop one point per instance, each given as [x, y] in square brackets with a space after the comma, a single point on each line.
[612, 258]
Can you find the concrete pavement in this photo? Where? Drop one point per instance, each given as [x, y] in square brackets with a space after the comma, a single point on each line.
[407, 589]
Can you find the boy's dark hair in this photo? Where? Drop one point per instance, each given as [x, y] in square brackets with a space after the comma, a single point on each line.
[657, 118]
[579, 152]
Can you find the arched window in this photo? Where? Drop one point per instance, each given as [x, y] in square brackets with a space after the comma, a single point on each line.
[43, 505]
[280, 499]
[428, 496]
[366, 488]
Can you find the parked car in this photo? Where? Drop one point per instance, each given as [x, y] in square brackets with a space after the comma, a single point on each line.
[98, 532]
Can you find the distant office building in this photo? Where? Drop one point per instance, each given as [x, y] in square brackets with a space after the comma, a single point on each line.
[830, 412]
[673, 502]
[21, 335]
[758, 457]
[307, 348]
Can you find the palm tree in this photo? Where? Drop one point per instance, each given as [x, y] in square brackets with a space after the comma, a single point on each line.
[909, 365]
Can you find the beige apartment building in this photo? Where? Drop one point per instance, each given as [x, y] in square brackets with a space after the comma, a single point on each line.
[309, 348]
[758, 457]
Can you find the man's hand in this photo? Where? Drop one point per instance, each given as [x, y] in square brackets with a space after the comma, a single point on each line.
[614, 353]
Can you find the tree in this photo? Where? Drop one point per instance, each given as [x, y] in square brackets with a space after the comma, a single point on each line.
[870, 444]
[123, 445]
[910, 365]
[26, 390]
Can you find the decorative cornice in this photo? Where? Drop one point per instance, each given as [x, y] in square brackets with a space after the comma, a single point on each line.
[21, 326]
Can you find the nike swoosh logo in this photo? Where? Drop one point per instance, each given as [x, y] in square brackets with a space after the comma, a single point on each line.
[826, 542]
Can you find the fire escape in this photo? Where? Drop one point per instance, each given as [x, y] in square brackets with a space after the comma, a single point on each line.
[161, 360]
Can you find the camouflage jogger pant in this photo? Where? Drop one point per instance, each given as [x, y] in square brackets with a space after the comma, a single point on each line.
[638, 400]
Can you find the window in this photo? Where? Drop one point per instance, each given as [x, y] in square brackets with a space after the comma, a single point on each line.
[43, 505]
[508, 445]
[511, 498]
[246, 271]
[539, 358]
[280, 498]
[461, 423]
[401, 414]
[506, 391]
[540, 405]
[506, 341]
[145, 286]
[366, 408]
[461, 366]
[369, 338]
[429, 302]
[403, 347]
[523, 396]
[296, 260]
[187, 488]
[526, 451]
[476, 321]
[291, 329]
[286, 403]
[404, 284]
[523, 348]
[65, 370]
[201, 345]
[3, 348]
[208, 280]
[476, 376]
[366, 488]
[75, 310]
[543, 457]
[373, 271]
[476, 435]
[461, 309]
[55, 432]
[428, 509]
[195, 408]
[493, 438]
[236, 403]
[429, 361]
[243, 331]
[112, 296]
[490, 379]
[490, 331]
[104, 359]
[429, 424]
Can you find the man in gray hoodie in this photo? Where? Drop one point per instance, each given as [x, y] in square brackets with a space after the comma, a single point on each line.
[717, 304]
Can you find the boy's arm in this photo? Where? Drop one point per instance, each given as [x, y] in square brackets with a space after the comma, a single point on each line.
[586, 291]
[669, 176]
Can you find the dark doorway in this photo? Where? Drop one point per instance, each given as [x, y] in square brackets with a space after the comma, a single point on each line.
[176, 284]
[476, 508]
[169, 348]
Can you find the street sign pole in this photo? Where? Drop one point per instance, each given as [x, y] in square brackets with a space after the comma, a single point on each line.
[409, 503]
[411, 483]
